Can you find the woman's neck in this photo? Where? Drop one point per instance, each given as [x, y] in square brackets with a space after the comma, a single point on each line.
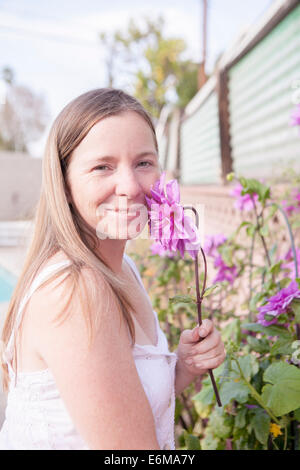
[112, 252]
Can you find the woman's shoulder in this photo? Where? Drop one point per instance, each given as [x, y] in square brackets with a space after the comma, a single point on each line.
[60, 258]
[61, 285]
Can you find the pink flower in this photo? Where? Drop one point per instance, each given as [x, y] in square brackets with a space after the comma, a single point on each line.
[291, 207]
[212, 242]
[243, 202]
[168, 223]
[291, 262]
[278, 304]
[225, 273]
[157, 249]
[295, 116]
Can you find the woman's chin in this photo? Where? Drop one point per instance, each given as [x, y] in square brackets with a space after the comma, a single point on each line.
[124, 230]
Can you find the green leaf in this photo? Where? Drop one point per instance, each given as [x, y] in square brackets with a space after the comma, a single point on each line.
[282, 346]
[253, 186]
[297, 414]
[250, 230]
[181, 299]
[210, 290]
[264, 230]
[240, 419]
[261, 426]
[205, 396]
[282, 393]
[192, 442]
[234, 391]
[295, 306]
[262, 346]
[249, 366]
[272, 211]
[284, 282]
[209, 442]
[254, 300]
[243, 224]
[267, 330]
[232, 331]
[218, 423]
[273, 250]
[275, 269]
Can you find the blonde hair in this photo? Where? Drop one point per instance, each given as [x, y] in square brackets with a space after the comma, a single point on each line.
[58, 226]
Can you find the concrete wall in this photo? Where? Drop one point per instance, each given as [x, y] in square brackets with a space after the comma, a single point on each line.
[20, 183]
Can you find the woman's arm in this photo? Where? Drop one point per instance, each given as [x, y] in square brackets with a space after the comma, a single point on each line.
[98, 382]
[195, 357]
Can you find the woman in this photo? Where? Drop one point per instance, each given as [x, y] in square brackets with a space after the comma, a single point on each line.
[85, 360]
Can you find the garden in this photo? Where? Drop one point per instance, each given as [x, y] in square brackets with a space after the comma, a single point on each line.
[250, 288]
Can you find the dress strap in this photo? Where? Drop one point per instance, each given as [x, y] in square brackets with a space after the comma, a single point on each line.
[43, 276]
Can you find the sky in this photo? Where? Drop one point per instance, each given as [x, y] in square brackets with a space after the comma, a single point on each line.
[54, 49]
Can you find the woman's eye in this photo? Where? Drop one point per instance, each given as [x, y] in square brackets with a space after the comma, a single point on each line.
[106, 167]
[101, 167]
[145, 164]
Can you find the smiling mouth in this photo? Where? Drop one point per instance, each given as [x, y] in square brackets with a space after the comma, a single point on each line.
[123, 212]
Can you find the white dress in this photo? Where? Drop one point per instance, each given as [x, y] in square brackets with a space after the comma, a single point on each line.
[36, 416]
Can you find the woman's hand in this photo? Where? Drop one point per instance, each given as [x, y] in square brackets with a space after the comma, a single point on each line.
[196, 356]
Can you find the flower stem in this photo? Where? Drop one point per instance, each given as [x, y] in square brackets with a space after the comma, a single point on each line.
[200, 298]
[254, 393]
[250, 274]
[292, 240]
[258, 229]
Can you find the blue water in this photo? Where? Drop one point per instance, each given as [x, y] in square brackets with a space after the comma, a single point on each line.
[7, 284]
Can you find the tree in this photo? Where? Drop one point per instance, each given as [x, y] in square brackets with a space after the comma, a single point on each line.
[23, 116]
[159, 73]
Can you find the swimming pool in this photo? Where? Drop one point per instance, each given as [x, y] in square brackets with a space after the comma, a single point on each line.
[7, 284]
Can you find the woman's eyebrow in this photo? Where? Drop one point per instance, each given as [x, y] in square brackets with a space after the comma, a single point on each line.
[101, 158]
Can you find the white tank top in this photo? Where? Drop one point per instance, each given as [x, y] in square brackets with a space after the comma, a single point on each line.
[36, 416]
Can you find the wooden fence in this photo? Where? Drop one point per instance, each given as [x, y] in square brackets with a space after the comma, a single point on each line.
[240, 119]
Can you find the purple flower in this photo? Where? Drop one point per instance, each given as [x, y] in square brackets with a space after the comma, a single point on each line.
[225, 273]
[157, 249]
[291, 262]
[243, 202]
[295, 116]
[278, 304]
[168, 224]
[212, 242]
[291, 207]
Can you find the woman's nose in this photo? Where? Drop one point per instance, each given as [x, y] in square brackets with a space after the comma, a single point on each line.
[127, 184]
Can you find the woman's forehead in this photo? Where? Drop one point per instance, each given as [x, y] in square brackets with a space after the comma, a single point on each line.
[109, 136]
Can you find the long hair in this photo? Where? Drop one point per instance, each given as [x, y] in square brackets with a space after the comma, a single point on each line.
[58, 226]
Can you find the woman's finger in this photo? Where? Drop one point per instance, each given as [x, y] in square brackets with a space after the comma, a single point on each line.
[211, 363]
[207, 344]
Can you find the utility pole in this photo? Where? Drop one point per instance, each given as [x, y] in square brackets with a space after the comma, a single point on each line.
[201, 71]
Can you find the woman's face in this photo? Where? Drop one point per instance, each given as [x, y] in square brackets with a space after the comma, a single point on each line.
[109, 174]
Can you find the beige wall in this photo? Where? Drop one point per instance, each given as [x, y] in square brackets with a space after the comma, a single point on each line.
[20, 182]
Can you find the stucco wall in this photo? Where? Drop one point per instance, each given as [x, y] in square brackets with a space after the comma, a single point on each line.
[20, 183]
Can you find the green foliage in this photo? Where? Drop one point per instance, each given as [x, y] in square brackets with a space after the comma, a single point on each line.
[259, 382]
[282, 392]
[161, 73]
